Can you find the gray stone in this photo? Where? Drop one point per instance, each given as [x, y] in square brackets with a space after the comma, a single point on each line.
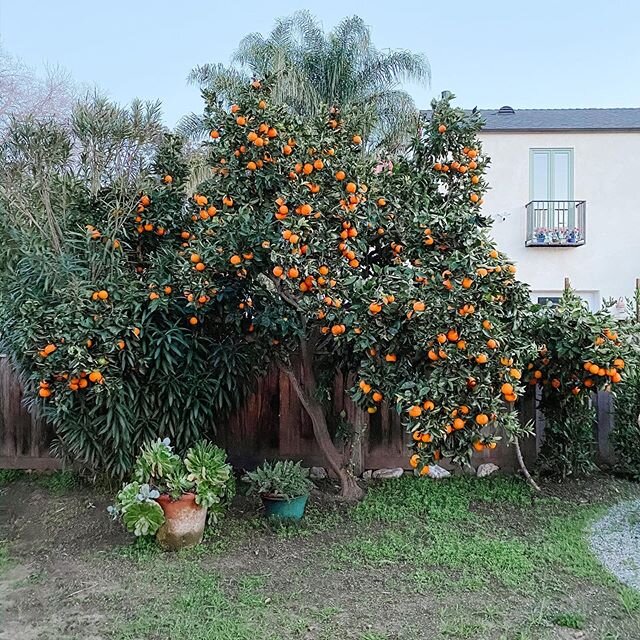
[318, 473]
[388, 474]
[487, 469]
[437, 472]
[367, 475]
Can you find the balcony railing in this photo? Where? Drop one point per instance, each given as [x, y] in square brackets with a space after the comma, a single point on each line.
[556, 223]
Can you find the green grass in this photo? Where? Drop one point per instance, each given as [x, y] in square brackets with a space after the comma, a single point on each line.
[483, 560]
[57, 482]
[4, 557]
[9, 476]
[200, 609]
[569, 620]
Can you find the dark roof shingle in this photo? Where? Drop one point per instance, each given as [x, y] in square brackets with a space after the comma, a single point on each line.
[561, 119]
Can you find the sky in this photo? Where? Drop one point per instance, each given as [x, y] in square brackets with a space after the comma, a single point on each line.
[535, 54]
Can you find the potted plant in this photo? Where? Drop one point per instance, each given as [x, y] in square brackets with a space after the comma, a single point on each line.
[573, 235]
[541, 235]
[170, 497]
[283, 486]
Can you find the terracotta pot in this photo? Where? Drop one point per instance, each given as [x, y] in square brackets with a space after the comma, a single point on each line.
[184, 524]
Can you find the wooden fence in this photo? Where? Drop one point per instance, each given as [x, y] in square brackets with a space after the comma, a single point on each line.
[270, 424]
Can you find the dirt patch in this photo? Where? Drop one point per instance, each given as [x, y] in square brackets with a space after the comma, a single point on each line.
[72, 574]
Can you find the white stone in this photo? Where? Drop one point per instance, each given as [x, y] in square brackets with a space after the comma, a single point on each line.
[487, 469]
[367, 475]
[437, 472]
[388, 474]
[318, 473]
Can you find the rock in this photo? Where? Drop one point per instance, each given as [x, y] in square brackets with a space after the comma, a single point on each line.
[388, 474]
[437, 472]
[487, 469]
[318, 473]
[367, 475]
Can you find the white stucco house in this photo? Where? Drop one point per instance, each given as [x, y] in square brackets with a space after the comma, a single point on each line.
[565, 198]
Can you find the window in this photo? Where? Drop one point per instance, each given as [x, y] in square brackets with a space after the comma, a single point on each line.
[551, 300]
[551, 174]
[592, 298]
[553, 216]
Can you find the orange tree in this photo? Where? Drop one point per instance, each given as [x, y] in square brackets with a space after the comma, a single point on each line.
[579, 353]
[85, 210]
[303, 245]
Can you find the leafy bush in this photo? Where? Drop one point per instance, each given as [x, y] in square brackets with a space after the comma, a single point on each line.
[579, 353]
[625, 436]
[159, 470]
[282, 479]
[84, 212]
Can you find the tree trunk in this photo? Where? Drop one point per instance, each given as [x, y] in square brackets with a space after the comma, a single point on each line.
[305, 389]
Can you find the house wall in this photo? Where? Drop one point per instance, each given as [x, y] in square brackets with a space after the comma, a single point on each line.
[605, 176]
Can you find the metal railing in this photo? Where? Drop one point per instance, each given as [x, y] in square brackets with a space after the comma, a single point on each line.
[556, 223]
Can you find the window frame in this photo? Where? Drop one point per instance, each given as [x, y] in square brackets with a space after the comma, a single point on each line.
[549, 152]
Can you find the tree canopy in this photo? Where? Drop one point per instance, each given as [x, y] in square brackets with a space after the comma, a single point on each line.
[309, 68]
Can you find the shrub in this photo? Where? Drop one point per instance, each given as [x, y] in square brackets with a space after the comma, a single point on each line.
[579, 353]
[625, 436]
[86, 209]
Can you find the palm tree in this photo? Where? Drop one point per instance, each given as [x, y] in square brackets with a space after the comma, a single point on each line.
[311, 69]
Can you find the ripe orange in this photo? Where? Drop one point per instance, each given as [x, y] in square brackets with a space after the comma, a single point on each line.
[377, 396]
[277, 271]
[356, 139]
[103, 295]
[153, 296]
[374, 308]
[241, 121]
[467, 282]
[482, 358]
[235, 259]
[200, 266]
[418, 306]
[193, 320]
[492, 344]
[507, 389]
[414, 411]
[351, 187]
[482, 419]
[95, 376]
[391, 357]
[293, 273]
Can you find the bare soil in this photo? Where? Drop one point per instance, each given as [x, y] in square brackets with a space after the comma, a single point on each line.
[72, 573]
